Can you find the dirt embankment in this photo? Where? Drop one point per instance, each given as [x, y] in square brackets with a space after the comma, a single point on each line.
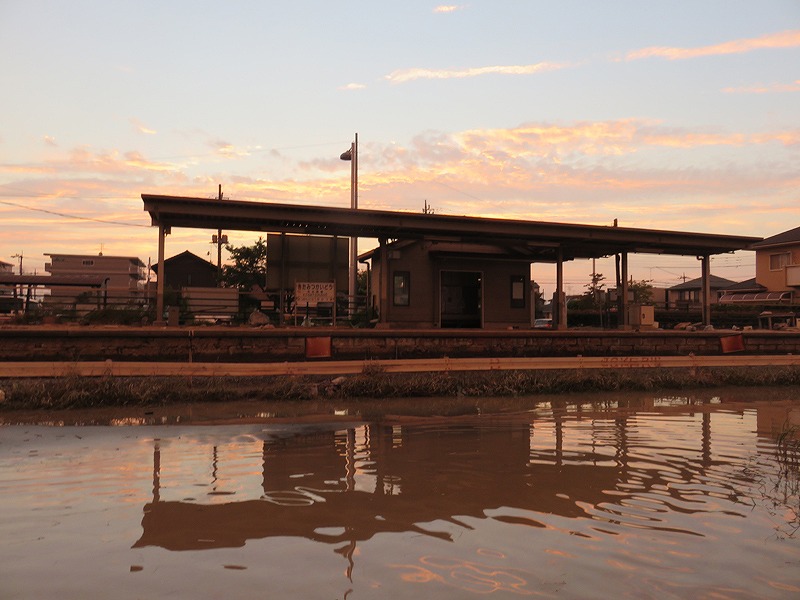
[74, 392]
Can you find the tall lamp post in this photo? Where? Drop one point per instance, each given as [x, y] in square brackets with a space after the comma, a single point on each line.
[352, 156]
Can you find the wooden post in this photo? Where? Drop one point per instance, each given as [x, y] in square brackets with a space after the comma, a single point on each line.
[352, 287]
[623, 290]
[705, 291]
[383, 294]
[560, 298]
[162, 234]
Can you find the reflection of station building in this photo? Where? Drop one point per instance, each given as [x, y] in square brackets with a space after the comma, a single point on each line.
[345, 486]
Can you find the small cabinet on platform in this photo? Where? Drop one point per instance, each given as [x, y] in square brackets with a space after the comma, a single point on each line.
[640, 315]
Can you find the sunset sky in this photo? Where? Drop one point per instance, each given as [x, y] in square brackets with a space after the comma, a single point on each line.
[680, 115]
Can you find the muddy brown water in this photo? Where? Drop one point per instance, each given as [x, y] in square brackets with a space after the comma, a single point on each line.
[615, 496]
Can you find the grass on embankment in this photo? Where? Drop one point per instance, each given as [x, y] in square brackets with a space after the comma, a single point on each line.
[88, 392]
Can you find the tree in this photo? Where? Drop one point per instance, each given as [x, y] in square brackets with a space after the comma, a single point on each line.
[641, 291]
[594, 290]
[249, 268]
[361, 282]
[594, 296]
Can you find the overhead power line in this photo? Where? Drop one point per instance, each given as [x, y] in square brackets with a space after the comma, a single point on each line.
[68, 216]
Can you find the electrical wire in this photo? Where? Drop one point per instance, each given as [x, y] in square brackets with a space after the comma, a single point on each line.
[68, 216]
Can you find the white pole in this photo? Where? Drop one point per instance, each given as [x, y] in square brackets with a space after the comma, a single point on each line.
[353, 240]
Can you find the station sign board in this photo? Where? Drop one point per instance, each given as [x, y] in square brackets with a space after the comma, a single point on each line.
[311, 293]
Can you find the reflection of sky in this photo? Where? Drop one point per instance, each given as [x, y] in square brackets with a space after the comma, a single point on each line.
[196, 471]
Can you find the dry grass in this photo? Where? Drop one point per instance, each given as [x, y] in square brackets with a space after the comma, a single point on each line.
[84, 392]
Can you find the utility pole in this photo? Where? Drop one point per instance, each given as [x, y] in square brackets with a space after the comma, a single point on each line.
[20, 257]
[219, 239]
[352, 156]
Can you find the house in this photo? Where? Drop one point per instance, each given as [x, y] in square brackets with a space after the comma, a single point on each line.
[8, 300]
[122, 272]
[6, 269]
[778, 266]
[188, 270]
[777, 280]
[689, 294]
[123, 277]
[197, 281]
[751, 292]
[451, 284]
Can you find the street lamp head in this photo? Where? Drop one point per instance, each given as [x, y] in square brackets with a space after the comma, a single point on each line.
[347, 155]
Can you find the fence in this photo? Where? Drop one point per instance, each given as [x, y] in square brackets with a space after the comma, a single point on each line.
[184, 306]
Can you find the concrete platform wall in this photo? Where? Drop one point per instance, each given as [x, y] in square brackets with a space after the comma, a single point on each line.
[220, 344]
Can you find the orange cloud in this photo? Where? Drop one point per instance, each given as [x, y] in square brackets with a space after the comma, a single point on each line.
[784, 39]
[604, 138]
[82, 160]
[787, 138]
[135, 159]
[692, 139]
[29, 169]
[541, 139]
[228, 150]
[637, 170]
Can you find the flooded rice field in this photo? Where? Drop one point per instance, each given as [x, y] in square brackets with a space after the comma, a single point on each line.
[619, 497]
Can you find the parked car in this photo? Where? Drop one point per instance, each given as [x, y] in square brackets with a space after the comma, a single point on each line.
[543, 324]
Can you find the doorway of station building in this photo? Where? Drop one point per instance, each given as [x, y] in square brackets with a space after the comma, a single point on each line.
[461, 299]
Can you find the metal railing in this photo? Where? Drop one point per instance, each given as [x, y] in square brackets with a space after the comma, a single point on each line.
[189, 305]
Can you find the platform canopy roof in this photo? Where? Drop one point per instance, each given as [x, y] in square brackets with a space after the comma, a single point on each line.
[537, 240]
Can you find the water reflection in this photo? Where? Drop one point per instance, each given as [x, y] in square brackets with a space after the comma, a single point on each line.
[346, 486]
[659, 498]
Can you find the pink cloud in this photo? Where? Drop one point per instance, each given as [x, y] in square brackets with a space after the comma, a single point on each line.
[412, 74]
[141, 128]
[447, 8]
[784, 39]
[775, 88]
[643, 172]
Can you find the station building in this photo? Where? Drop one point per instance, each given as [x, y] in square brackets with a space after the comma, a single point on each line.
[433, 270]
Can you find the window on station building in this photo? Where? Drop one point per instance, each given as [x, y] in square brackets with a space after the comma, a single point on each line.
[517, 291]
[401, 288]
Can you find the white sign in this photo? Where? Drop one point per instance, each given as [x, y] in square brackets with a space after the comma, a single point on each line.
[311, 293]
